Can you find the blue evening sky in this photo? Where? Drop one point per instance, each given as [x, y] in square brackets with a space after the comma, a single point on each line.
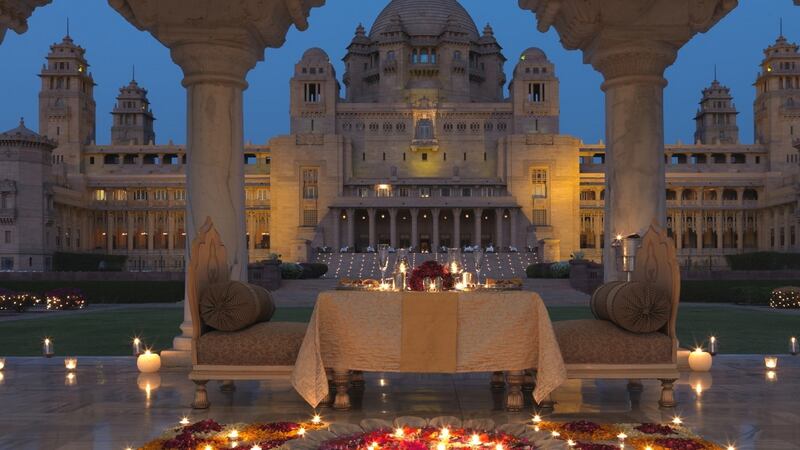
[113, 46]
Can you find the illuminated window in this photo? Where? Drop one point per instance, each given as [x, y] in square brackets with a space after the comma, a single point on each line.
[539, 182]
[383, 190]
[100, 195]
[310, 184]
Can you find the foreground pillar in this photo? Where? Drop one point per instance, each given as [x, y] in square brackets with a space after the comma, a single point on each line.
[435, 232]
[373, 241]
[215, 47]
[415, 229]
[630, 43]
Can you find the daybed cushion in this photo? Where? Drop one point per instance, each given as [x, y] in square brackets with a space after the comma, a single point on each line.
[263, 344]
[635, 306]
[601, 342]
[234, 305]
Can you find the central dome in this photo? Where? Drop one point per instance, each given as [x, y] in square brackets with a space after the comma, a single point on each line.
[424, 18]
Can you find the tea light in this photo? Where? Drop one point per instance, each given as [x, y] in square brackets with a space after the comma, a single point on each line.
[47, 348]
[399, 433]
[771, 362]
[700, 361]
[475, 440]
[622, 437]
[444, 434]
[301, 432]
[2, 363]
[137, 347]
[184, 421]
[460, 286]
[440, 446]
[385, 287]
[466, 278]
[498, 447]
[148, 362]
[233, 435]
[712, 345]
[794, 348]
[70, 363]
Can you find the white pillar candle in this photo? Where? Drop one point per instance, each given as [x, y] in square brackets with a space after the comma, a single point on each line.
[700, 361]
[713, 345]
[148, 362]
[70, 363]
[47, 348]
[794, 347]
[771, 362]
[137, 347]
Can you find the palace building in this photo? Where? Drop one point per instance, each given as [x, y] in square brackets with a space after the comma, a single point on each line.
[424, 142]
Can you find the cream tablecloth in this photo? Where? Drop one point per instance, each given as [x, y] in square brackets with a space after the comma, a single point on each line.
[497, 331]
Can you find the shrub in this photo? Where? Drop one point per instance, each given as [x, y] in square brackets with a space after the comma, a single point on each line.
[87, 262]
[17, 301]
[751, 292]
[764, 261]
[65, 298]
[101, 291]
[548, 270]
[785, 298]
[291, 271]
[313, 270]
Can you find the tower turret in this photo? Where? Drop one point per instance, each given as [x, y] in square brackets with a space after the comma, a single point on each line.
[534, 92]
[133, 118]
[716, 117]
[314, 92]
[66, 102]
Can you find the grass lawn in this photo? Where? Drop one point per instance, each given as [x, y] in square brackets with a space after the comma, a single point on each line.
[109, 333]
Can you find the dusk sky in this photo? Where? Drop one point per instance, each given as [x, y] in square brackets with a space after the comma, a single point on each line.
[114, 46]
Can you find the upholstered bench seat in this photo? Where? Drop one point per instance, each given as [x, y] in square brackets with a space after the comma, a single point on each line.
[601, 342]
[262, 344]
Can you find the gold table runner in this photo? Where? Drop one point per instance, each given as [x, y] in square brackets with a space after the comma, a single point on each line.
[429, 340]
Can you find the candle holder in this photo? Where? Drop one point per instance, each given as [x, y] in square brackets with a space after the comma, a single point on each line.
[771, 362]
[454, 264]
[713, 346]
[138, 348]
[70, 363]
[70, 379]
[427, 284]
[2, 363]
[794, 346]
[47, 348]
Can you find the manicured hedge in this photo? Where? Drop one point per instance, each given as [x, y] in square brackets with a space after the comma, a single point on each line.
[108, 291]
[88, 262]
[304, 271]
[764, 261]
[751, 292]
[548, 270]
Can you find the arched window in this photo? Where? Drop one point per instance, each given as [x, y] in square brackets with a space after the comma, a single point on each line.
[750, 194]
[730, 195]
[588, 195]
[671, 195]
[457, 55]
[710, 195]
[689, 194]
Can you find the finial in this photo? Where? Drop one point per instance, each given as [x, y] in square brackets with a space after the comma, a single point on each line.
[715, 72]
[360, 30]
[780, 27]
[67, 26]
[488, 31]
[133, 72]
[22, 121]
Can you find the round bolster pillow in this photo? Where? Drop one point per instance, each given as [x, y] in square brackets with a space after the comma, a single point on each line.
[234, 305]
[634, 306]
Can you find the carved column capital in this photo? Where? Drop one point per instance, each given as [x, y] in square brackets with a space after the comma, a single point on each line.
[14, 14]
[213, 43]
[644, 59]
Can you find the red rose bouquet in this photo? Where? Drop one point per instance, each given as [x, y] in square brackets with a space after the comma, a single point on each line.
[432, 270]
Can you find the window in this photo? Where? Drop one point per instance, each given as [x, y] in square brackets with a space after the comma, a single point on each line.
[445, 192]
[179, 195]
[120, 195]
[424, 156]
[312, 92]
[100, 195]
[250, 159]
[309, 217]
[140, 195]
[466, 192]
[91, 160]
[8, 236]
[262, 195]
[363, 192]
[535, 92]
[425, 192]
[539, 182]
[404, 192]
[383, 190]
[310, 184]
[160, 194]
[539, 217]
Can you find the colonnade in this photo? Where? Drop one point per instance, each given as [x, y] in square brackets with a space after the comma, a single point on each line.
[424, 228]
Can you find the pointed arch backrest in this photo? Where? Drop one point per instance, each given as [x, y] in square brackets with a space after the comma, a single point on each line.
[208, 264]
[657, 263]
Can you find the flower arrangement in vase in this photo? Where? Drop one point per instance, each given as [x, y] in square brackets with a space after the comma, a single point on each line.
[431, 270]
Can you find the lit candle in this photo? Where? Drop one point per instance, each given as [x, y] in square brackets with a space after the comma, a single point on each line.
[399, 433]
[466, 278]
[233, 435]
[677, 421]
[537, 419]
[699, 360]
[571, 443]
[622, 437]
[70, 379]
[47, 348]
[255, 447]
[771, 362]
[301, 432]
[184, 421]
[498, 447]
[712, 345]
[475, 440]
[441, 446]
[2, 363]
[137, 347]
[444, 434]
[148, 362]
[316, 420]
[555, 434]
[70, 363]
[794, 348]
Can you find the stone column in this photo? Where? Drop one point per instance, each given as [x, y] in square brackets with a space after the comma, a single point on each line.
[337, 234]
[677, 224]
[435, 225]
[513, 215]
[456, 228]
[351, 228]
[740, 230]
[596, 230]
[109, 232]
[415, 228]
[393, 227]
[631, 47]
[476, 240]
[720, 216]
[498, 228]
[252, 227]
[170, 231]
[700, 229]
[150, 230]
[215, 47]
[373, 240]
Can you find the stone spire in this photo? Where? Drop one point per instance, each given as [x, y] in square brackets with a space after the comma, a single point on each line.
[716, 118]
[132, 117]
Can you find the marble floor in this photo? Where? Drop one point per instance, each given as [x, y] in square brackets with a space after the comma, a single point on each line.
[106, 405]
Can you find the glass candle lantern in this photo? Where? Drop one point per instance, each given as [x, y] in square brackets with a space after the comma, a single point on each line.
[138, 348]
[454, 264]
[70, 363]
[713, 345]
[794, 346]
[47, 348]
[771, 362]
